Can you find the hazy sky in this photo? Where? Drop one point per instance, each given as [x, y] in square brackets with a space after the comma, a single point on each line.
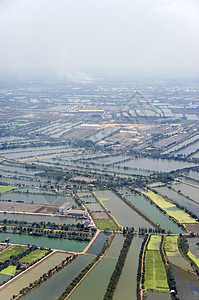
[66, 36]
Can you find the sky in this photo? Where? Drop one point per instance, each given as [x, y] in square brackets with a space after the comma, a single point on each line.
[85, 36]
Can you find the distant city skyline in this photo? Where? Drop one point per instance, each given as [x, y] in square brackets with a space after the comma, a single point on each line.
[75, 38]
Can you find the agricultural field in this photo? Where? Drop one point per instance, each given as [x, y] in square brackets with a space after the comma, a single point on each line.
[106, 225]
[10, 270]
[13, 251]
[5, 188]
[171, 209]
[155, 277]
[34, 256]
[193, 257]
[154, 242]
[173, 254]
[181, 216]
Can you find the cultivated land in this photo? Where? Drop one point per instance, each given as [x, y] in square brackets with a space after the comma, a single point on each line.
[33, 256]
[154, 242]
[171, 209]
[4, 188]
[173, 254]
[10, 270]
[155, 274]
[13, 251]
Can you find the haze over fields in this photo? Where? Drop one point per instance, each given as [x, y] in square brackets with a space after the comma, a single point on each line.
[76, 37]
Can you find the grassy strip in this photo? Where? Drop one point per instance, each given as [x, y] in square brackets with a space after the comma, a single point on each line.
[106, 225]
[154, 242]
[119, 267]
[33, 256]
[6, 188]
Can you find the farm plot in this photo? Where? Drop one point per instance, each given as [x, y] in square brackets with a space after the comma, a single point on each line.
[13, 251]
[10, 271]
[173, 254]
[155, 274]
[154, 242]
[171, 209]
[34, 256]
[5, 188]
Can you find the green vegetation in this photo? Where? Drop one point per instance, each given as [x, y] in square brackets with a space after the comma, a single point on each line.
[181, 216]
[106, 225]
[33, 256]
[155, 273]
[10, 270]
[11, 253]
[171, 209]
[5, 188]
[157, 199]
[154, 242]
[171, 245]
[118, 268]
[193, 258]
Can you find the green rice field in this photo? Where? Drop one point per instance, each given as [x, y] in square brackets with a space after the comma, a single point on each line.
[173, 254]
[5, 188]
[154, 242]
[33, 256]
[106, 224]
[155, 273]
[171, 209]
[14, 251]
[10, 270]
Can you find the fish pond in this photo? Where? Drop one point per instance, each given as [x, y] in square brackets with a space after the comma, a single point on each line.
[56, 285]
[42, 241]
[150, 210]
[39, 218]
[156, 164]
[124, 215]
[45, 198]
[127, 285]
[179, 199]
[187, 284]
